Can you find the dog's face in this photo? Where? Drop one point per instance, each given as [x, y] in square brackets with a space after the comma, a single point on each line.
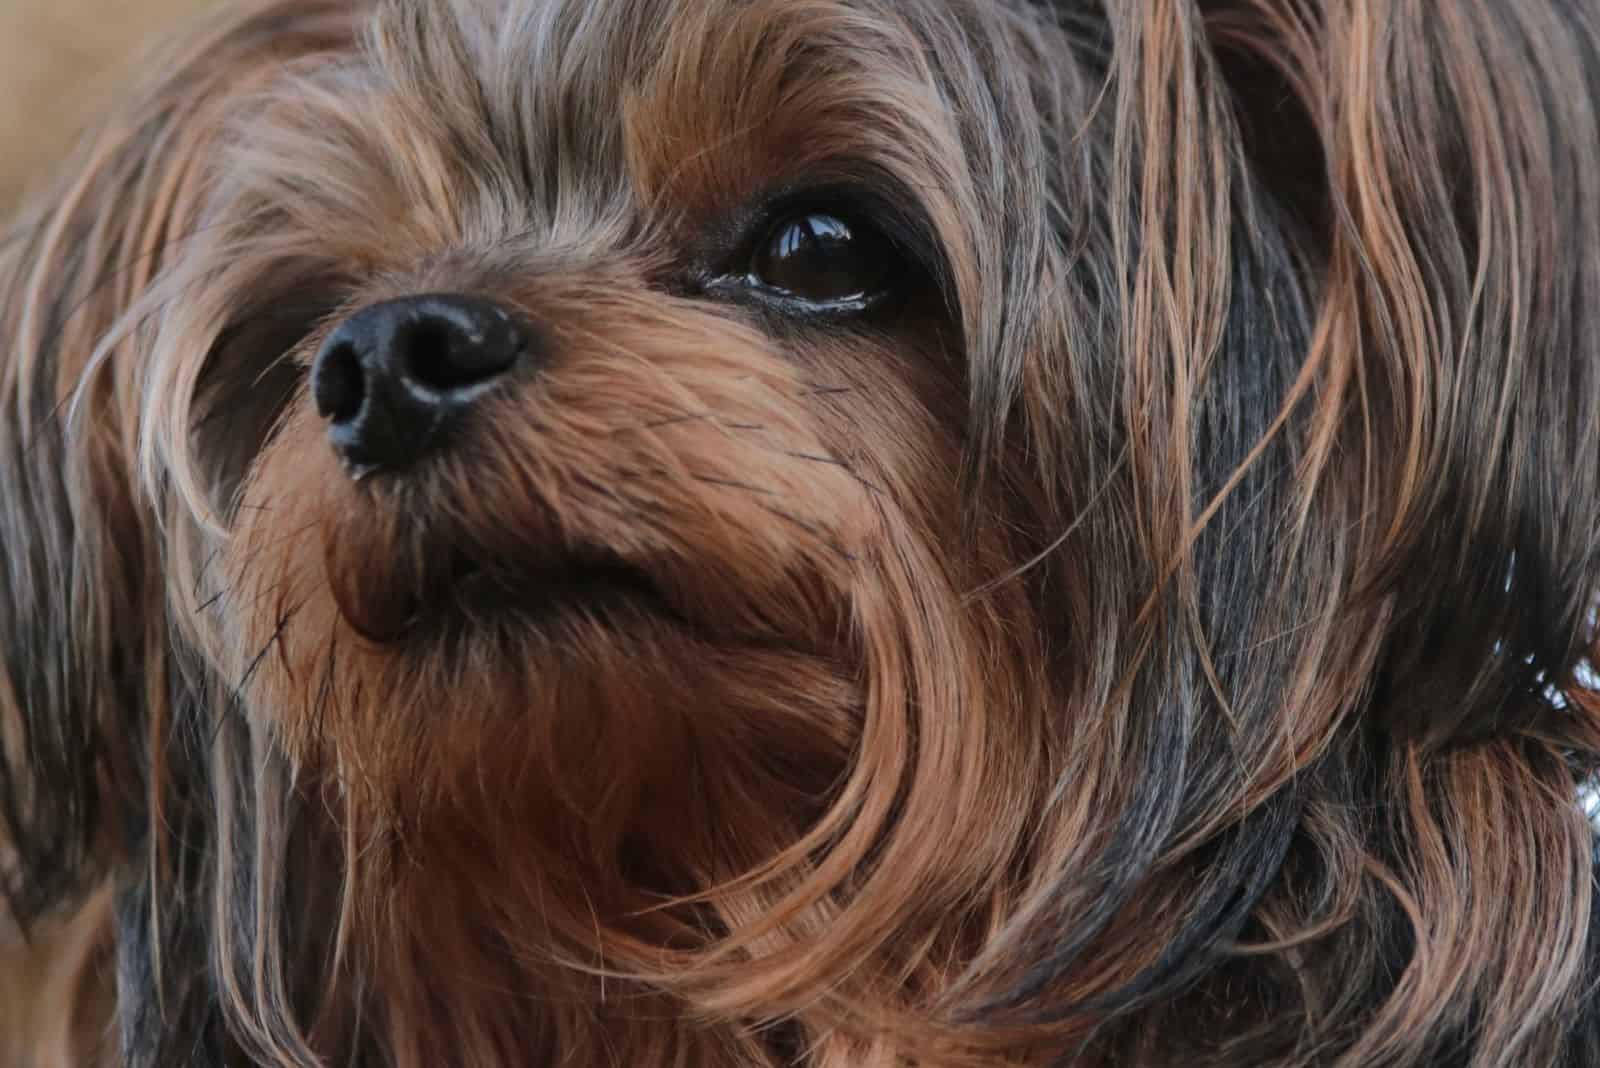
[577, 481]
[711, 438]
[598, 473]
[845, 532]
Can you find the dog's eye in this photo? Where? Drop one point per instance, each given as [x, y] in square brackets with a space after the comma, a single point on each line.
[824, 260]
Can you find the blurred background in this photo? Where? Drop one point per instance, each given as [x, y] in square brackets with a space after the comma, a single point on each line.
[59, 60]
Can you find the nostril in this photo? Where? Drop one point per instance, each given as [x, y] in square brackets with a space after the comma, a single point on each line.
[457, 344]
[438, 357]
[339, 384]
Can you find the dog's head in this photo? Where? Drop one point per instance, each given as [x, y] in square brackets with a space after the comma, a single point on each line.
[748, 533]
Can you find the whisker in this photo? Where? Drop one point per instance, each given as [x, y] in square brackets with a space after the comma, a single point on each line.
[256, 551]
[213, 599]
[729, 483]
[834, 461]
[200, 574]
[688, 417]
[325, 695]
[810, 528]
[236, 694]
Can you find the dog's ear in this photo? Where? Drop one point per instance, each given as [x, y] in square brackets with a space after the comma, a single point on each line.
[84, 671]
[1442, 166]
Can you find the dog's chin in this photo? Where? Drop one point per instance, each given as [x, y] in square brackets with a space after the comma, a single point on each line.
[579, 716]
[433, 670]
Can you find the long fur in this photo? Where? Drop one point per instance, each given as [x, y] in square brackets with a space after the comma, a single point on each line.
[1162, 640]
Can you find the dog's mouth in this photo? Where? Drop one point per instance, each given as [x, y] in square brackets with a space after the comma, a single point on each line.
[587, 583]
[458, 592]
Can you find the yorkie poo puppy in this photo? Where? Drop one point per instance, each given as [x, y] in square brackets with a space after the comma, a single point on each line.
[826, 533]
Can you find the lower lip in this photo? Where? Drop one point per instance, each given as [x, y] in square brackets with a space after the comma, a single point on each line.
[593, 590]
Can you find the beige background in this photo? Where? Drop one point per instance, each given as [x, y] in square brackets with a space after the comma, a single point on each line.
[58, 61]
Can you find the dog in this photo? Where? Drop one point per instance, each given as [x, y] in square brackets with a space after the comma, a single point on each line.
[836, 533]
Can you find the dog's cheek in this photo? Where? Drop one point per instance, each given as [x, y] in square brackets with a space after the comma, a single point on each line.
[687, 443]
[259, 600]
[892, 408]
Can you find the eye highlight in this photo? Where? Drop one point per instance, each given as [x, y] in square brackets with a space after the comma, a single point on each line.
[823, 259]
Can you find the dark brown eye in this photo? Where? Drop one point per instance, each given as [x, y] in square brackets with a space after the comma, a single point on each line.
[825, 260]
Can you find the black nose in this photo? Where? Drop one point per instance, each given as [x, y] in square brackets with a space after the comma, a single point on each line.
[392, 378]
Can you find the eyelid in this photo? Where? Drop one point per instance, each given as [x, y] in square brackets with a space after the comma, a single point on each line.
[742, 288]
[888, 211]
